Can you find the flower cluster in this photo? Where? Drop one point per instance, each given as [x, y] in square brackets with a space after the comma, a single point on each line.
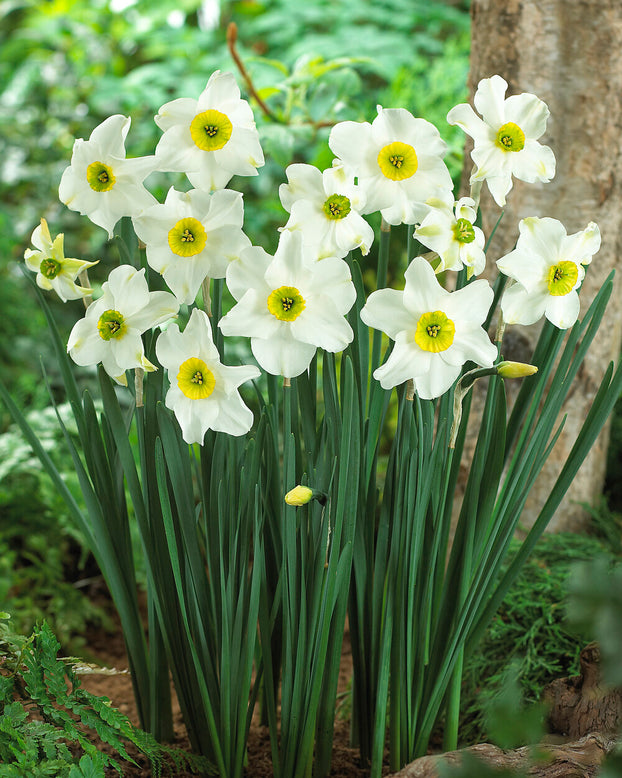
[297, 301]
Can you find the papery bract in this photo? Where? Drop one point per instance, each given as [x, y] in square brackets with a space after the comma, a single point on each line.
[54, 270]
[288, 305]
[203, 392]
[547, 265]
[100, 182]
[506, 137]
[111, 329]
[210, 139]
[448, 230]
[191, 236]
[398, 161]
[325, 207]
[435, 331]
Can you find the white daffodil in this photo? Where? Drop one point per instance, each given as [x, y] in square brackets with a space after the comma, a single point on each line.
[398, 160]
[54, 270]
[326, 207]
[548, 266]
[203, 392]
[448, 230]
[111, 330]
[506, 137]
[101, 182]
[192, 236]
[210, 139]
[435, 331]
[288, 305]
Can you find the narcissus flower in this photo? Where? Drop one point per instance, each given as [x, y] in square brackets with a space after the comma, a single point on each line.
[398, 160]
[548, 266]
[111, 330]
[203, 392]
[326, 207]
[435, 331]
[101, 182]
[191, 236]
[448, 229]
[210, 139]
[54, 270]
[506, 137]
[289, 305]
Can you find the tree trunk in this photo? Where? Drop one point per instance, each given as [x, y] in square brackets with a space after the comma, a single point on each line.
[568, 53]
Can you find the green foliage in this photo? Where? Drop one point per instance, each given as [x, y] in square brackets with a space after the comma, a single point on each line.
[529, 629]
[59, 741]
[42, 554]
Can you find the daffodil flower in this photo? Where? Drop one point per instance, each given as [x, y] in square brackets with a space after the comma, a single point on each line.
[289, 305]
[100, 182]
[398, 160]
[435, 331]
[506, 137]
[325, 207]
[203, 392]
[547, 265]
[111, 329]
[191, 236]
[54, 270]
[210, 139]
[448, 230]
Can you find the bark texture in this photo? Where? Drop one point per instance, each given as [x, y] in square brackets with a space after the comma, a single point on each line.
[581, 704]
[568, 53]
[570, 760]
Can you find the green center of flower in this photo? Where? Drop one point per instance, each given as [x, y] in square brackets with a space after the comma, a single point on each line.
[49, 268]
[463, 231]
[510, 137]
[195, 379]
[100, 177]
[111, 325]
[211, 130]
[286, 303]
[398, 161]
[187, 237]
[337, 207]
[435, 332]
[562, 278]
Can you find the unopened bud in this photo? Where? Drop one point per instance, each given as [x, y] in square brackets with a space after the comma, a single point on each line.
[301, 495]
[515, 369]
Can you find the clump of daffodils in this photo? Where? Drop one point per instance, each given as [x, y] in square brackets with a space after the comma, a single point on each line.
[298, 301]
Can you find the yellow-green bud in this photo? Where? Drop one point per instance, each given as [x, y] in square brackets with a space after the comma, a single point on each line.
[301, 495]
[515, 369]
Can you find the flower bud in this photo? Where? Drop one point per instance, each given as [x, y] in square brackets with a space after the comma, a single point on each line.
[301, 495]
[515, 369]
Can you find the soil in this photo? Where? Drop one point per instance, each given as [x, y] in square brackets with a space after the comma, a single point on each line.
[108, 650]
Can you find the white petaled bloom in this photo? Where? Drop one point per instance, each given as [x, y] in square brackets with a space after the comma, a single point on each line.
[448, 230]
[100, 182]
[111, 329]
[325, 207]
[54, 270]
[203, 392]
[191, 236]
[506, 137]
[548, 267]
[398, 160]
[435, 331]
[288, 305]
[210, 139]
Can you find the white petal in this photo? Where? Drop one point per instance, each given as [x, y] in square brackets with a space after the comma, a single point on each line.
[384, 310]
[520, 307]
[533, 163]
[422, 292]
[437, 380]
[490, 98]
[563, 310]
[304, 182]
[581, 246]
[528, 112]
[405, 361]
[234, 418]
[283, 356]
[323, 326]
[466, 118]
